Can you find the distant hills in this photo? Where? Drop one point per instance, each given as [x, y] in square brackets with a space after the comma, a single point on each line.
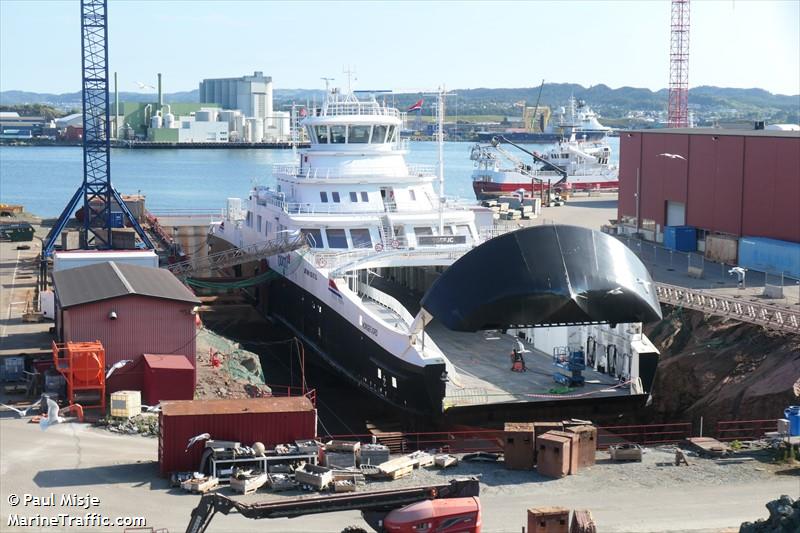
[706, 101]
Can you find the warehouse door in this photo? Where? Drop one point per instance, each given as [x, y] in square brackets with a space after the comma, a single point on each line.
[676, 214]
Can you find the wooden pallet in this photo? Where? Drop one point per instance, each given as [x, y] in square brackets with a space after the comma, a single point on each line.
[248, 485]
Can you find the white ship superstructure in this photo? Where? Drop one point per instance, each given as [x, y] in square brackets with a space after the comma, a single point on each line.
[372, 221]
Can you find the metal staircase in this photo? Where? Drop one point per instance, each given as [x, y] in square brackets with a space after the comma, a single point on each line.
[768, 316]
[386, 231]
[238, 256]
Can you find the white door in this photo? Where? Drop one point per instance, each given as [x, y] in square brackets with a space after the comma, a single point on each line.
[676, 214]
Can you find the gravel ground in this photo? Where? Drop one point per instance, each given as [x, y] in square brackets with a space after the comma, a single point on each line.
[656, 469]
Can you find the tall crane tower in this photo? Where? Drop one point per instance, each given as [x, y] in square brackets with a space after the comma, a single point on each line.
[678, 110]
[96, 192]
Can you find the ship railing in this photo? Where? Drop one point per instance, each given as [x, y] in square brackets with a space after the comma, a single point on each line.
[295, 171]
[333, 208]
[388, 302]
[349, 262]
[333, 109]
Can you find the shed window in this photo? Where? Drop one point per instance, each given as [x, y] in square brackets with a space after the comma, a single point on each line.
[314, 237]
[336, 238]
[359, 135]
[338, 134]
[360, 238]
[323, 197]
[335, 196]
[353, 197]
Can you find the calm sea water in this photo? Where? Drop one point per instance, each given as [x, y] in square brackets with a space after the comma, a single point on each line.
[43, 179]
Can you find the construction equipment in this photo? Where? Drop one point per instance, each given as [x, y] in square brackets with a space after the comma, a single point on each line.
[96, 192]
[83, 366]
[375, 507]
[678, 108]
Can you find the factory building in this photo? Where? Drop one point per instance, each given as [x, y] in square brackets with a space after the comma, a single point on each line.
[735, 184]
[252, 95]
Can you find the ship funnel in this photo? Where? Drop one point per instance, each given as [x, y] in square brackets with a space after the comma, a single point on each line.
[553, 275]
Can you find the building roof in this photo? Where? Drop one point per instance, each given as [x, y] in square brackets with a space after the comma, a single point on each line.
[719, 131]
[230, 407]
[104, 281]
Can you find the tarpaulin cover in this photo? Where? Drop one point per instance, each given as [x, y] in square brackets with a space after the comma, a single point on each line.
[544, 275]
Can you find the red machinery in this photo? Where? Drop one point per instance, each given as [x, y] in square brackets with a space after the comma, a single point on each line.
[456, 515]
[83, 365]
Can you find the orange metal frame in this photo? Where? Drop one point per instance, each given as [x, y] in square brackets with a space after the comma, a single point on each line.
[73, 361]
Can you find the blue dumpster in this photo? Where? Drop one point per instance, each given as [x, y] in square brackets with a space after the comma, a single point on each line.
[792, 413]
[680, 238]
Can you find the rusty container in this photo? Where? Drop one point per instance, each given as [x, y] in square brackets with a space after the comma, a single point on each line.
[573, 449]
[553, 455]
[587, 444]
[519, 446]
[270, 421]
[548, 520]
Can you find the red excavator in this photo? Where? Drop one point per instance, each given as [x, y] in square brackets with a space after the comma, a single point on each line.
[450, 508]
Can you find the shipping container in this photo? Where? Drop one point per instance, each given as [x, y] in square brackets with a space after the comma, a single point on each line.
[680, 238]
[167, 377]
[770, 255]
[270, 421]
[116, 219]
[722, 248]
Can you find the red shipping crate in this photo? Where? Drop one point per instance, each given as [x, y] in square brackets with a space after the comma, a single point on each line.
[270, 421]
[167, 377]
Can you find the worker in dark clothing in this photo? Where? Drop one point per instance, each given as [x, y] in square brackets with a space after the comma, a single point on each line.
[517, 362]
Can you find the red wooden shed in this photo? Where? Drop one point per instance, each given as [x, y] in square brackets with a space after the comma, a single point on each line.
[167, 377]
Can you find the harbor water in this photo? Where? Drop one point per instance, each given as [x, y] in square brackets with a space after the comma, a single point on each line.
[44, 178]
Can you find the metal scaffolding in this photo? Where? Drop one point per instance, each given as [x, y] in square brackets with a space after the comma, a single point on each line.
[678, 109]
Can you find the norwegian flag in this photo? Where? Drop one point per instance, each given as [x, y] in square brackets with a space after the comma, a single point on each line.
[417, 106]
[303, 112]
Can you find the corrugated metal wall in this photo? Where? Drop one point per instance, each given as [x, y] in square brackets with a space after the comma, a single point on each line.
[143, 325]
[735, 184]
[247, 428]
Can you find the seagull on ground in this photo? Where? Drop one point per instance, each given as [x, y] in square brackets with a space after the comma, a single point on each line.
[52, 415]
[117, 365]
[24, 412]
[197, 438]
[672, 156]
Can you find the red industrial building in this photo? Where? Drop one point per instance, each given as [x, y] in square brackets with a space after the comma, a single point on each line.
[740, 183]
[132, 310]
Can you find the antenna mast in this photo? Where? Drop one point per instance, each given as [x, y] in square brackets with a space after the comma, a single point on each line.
[678, 110]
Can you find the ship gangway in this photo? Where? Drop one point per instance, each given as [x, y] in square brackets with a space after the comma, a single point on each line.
[766, 315]
[238, 256]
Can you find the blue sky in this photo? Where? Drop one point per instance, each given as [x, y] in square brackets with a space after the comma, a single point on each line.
[406, 45]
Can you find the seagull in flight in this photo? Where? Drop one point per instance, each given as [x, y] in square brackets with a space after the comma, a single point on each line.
[521, 347]
[672, 156]
[616, 291]
[197, 438]
[116, 366]
[152, 408]
[23, 412]
[145, 86]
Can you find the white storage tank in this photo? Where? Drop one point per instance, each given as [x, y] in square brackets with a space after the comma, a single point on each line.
[155, 121]
[282, 121]
[256, 129]
[206, 115]
[169, 121]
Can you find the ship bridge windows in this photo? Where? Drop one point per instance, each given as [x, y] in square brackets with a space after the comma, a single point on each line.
[258, 223]
[423, 231]
[323, 197]
[361, 238]
[412, 194]
[314, 237]
[336, 238]
[364, 196]
[463, 230]
[335, 197]
[338, 134]
[379, 134]
[392, 136]
[353, 197]
[359, 134]
[322, 134]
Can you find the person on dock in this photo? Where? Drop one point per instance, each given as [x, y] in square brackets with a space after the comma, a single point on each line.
[517, 362]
